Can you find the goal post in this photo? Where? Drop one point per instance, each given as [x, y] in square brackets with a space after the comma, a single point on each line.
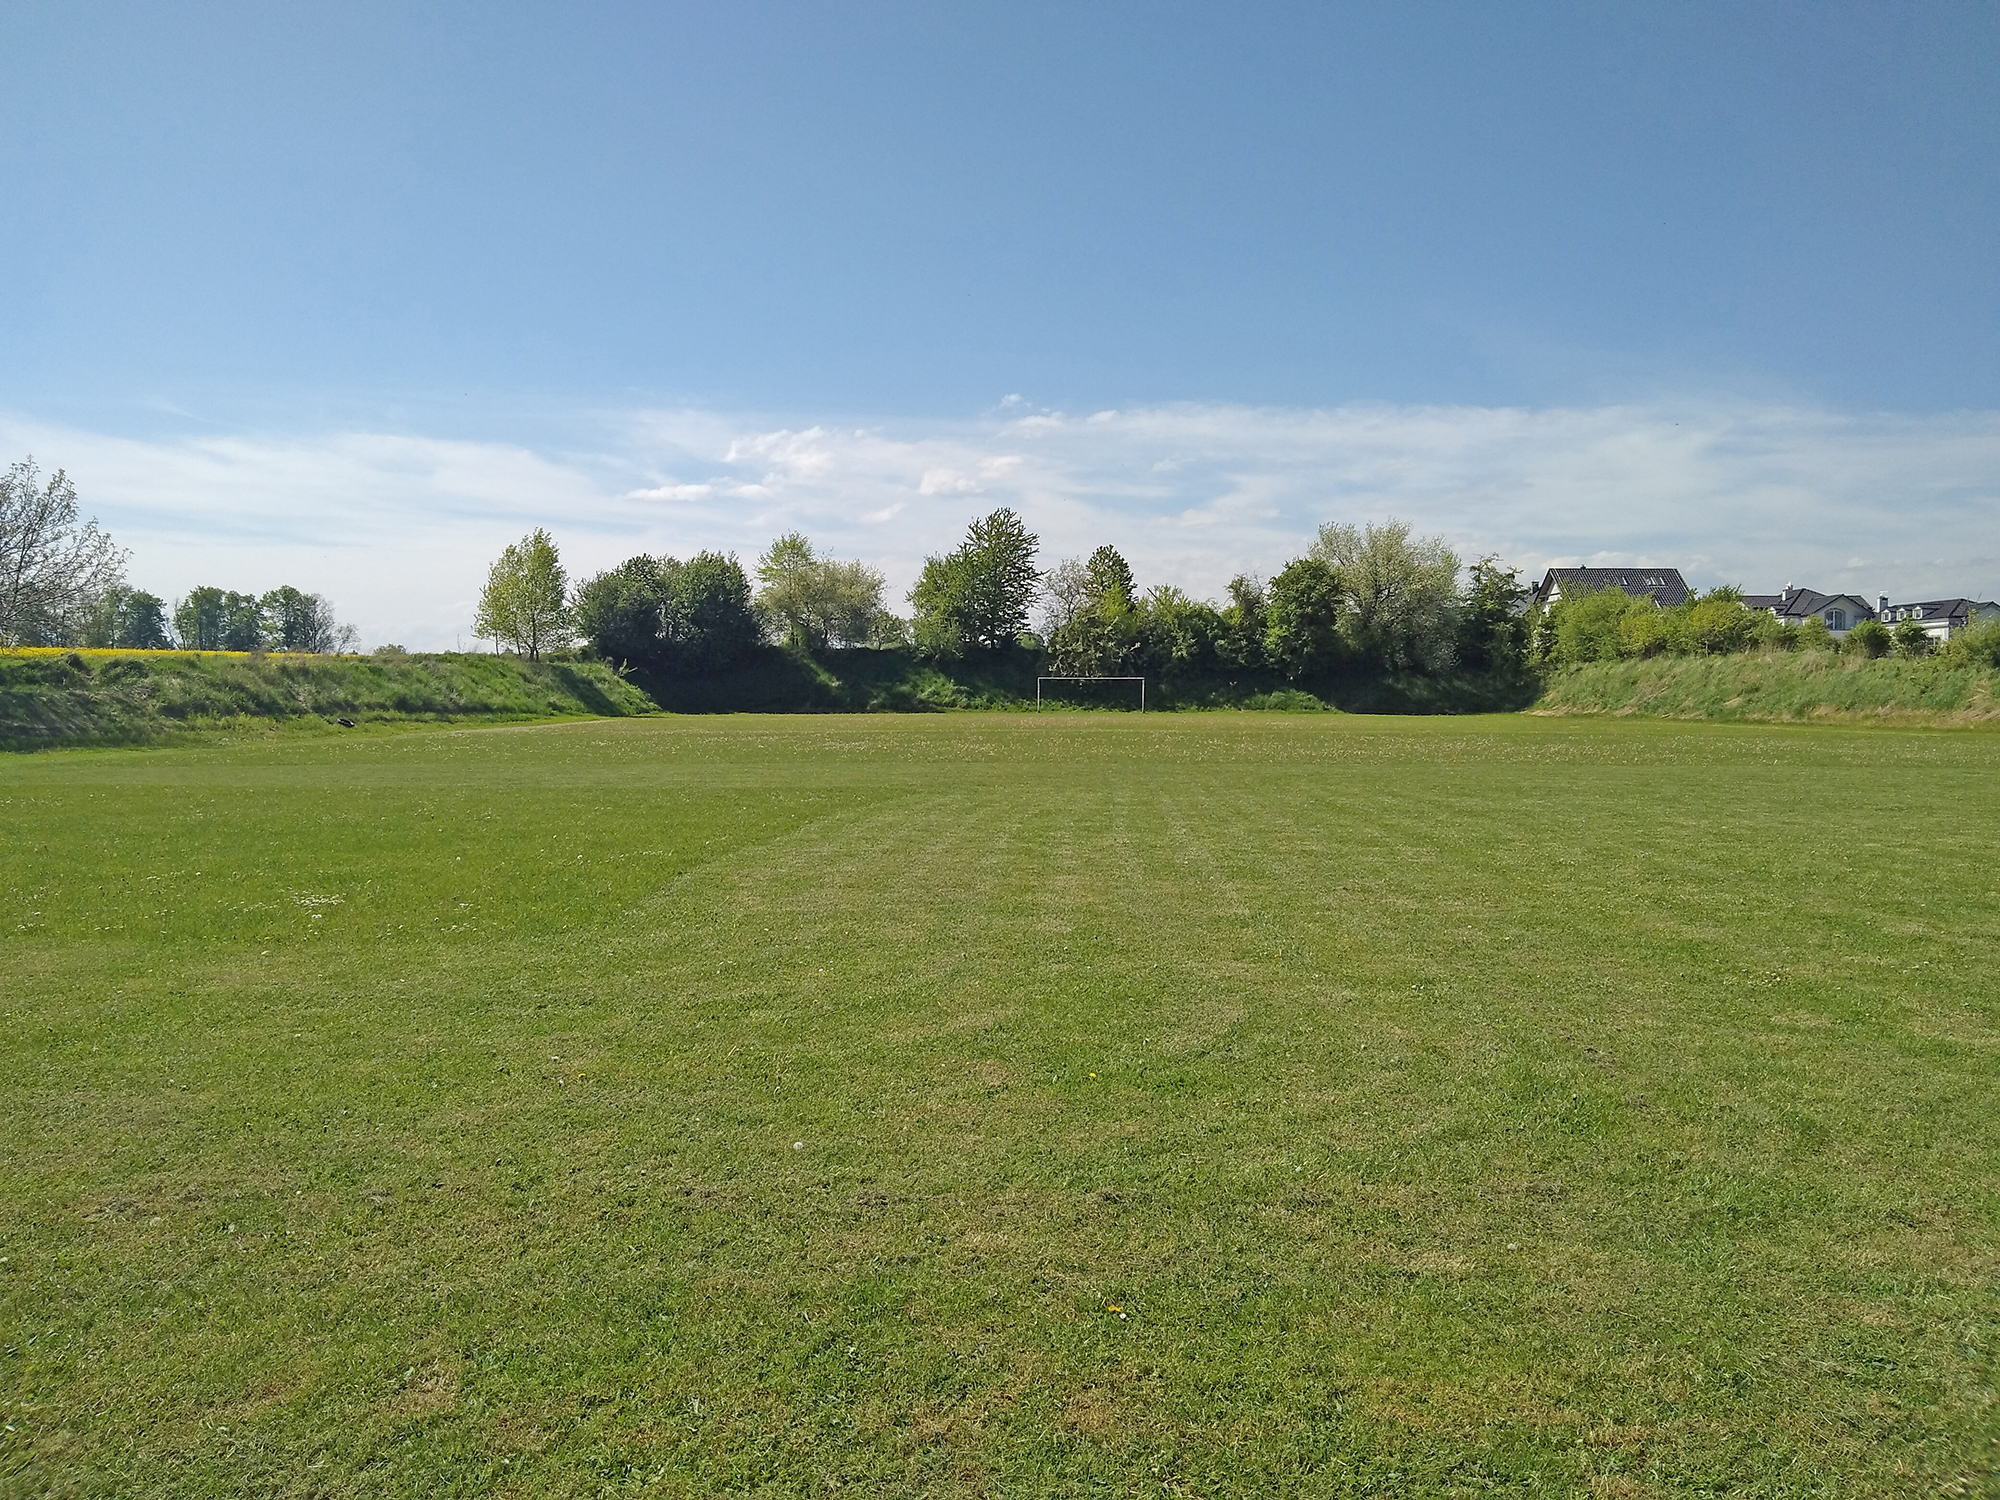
[1140, 680]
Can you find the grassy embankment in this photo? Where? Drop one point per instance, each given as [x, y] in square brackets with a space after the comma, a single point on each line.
[1780, 686]
[999, 1104]
[776, 681]
[113, 697]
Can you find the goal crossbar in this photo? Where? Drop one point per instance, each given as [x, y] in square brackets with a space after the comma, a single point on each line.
[1140, 680]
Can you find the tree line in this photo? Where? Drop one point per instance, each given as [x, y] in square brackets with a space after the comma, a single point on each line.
[1372, 598]
[62, 583]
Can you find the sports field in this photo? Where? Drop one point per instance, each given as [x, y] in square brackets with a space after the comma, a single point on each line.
[1210, 1104]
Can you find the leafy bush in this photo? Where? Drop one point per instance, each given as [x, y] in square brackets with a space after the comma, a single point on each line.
[1870, 638]
[1978, 646]
[1911, 639]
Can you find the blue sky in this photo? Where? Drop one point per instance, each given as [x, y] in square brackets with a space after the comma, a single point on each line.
[353, 293]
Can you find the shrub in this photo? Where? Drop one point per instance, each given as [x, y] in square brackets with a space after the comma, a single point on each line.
[1911, 639]
[1589, 626]
[1717, 623]
[1979, 646]
[1870, 638]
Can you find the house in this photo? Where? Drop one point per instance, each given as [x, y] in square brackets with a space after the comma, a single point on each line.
[1840, 613]
[1941, 618]
[1664, 586]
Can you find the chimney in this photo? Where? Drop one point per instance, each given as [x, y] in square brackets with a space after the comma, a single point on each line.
[1881, 606]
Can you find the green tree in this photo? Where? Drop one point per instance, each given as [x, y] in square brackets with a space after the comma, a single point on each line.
[242, 622]
[199, 619]
[297, 621]
[1399, 597]
[1092, 627]
[525, 602]
[1179, 634]
[977, 597]
[1302, 619]
[814, 601]
[711, 621]
[1492, 622]
[1244, 622]
[621, 612]
[128, 619]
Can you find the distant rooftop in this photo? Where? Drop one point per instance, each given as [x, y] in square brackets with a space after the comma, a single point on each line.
[1663, 585]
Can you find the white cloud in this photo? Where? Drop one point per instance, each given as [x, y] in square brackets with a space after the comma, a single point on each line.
[398, 529]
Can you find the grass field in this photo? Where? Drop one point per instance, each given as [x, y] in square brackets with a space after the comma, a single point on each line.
[1186, 1105]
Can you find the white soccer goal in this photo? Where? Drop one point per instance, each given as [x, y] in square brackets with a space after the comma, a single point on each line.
[1140, 680]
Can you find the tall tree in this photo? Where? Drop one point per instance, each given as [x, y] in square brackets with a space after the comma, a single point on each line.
[1399, 597]
[1091, 622]
[1302, 619]
[242, 622]
[670, 616]
[1241, 643]
[711, 621]
[1493, 624]
[526, 599]
[814, 601]
[621, 612]
[199, 619]
[128, 619]
[298, 621]
[977, 598]
[53, 569]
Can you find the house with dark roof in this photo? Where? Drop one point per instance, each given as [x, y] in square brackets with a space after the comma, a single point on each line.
[1840, 613]
[1941, 619]
[1664, 586]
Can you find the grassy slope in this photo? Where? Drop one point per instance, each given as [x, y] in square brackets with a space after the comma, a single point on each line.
[97, 697]
[770, 1105]
[1786, 687]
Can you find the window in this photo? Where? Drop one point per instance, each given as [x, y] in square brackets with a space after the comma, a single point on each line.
[1837, 619]
[1917, 613]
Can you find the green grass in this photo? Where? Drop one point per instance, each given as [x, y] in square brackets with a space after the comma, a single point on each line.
[782, 1106]
[135, 697]
[1782, 687]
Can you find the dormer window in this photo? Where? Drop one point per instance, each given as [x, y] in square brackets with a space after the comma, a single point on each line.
[1917, 613]
[1837, 619]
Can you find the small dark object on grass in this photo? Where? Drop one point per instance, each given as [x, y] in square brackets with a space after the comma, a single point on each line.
[345, 723]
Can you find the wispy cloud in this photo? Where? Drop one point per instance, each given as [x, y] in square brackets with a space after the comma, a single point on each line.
[399, 528]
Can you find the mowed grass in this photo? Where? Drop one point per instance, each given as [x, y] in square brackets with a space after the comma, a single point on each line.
[998, 1105]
